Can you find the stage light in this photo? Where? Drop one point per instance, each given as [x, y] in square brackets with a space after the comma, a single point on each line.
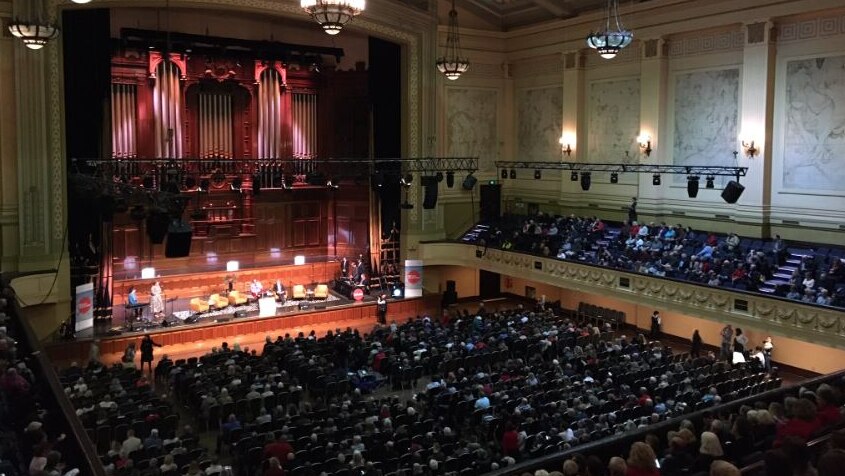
[504, 174]
[614, 177]
[710, 182]
[438, 176]
[450, 179]
[81, 1]
[148, 273]
[469, 182]
[573, 176]
[655, 179]
[299, 260]
[513, 173]
[406, 180]
[232, 266]
[586, 180]
[538, 174]
[692, 185]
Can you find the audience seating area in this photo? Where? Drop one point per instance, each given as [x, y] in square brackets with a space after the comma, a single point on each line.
[813, 275]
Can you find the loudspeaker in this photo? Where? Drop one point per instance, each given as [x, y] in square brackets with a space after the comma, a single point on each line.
[732, 191]
[178, 244]
[157, 224]
[304, 306]
[240, 314]
[192, 319]
[469, 182]
[430, 184]
[223, 319]
[450, 285]
[320, 306]
[169, 321]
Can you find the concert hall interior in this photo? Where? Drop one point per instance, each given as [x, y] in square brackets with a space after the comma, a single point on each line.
[523, 233]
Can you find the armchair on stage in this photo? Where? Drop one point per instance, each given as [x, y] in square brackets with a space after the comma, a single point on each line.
[198, 305]
[218, 301]
[321, 292]
[236, 298]
[298, 291]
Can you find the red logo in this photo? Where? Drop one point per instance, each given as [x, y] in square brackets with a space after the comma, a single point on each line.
[84, 305]
[413, 277]
[358, 294]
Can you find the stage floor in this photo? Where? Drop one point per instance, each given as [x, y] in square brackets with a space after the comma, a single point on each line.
[184, 317]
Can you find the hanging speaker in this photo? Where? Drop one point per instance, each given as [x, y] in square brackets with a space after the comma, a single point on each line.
[178, 244]
[430, 185]
[157, 223]
[732, 191]
[469, 182]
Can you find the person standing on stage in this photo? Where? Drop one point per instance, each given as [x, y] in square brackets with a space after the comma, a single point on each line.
[381, 304]
[359, 270]
[156, 300]
[344, 268]
[727, 335]
[147, 345]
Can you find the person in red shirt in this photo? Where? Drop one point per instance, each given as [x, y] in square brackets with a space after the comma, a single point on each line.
[802, 424]
[828, 412]
[644, 397]
[642, 461]
[510, 440]
[278, 449]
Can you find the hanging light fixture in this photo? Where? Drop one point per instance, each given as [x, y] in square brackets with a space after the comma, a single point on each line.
[332, 15]
[609, 41]
[451, 64]
[33, 30]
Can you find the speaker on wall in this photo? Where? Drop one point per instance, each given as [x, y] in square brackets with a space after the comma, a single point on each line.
[430, 185]
[732, 191]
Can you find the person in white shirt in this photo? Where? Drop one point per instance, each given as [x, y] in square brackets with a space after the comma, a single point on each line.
[131, 443]
[214, 467]
[107, 402]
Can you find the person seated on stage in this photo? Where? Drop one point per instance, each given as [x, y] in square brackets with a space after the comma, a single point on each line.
[279, 290]
[255, 288]
[132, 301]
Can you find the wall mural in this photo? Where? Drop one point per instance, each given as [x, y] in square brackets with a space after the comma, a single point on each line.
[539, 118]
[814, 144]
[614, 121]
[471, 125]
[706, 119]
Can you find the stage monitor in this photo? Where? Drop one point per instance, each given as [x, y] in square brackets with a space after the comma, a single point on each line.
[148, 273]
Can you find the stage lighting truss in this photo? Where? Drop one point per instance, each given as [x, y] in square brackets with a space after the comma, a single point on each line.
[653, 169]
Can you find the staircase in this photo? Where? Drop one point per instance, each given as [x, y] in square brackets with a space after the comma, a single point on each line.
[784, 272]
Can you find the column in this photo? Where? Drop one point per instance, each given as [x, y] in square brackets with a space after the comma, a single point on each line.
[654, 74]
[756, 113]
[8, 153]
[574, 118]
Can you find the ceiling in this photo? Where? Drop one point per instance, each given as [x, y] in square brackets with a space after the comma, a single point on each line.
[508, 14]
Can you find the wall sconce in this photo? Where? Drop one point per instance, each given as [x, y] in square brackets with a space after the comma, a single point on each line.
[644, 140]
[749, 148]
[567, 140]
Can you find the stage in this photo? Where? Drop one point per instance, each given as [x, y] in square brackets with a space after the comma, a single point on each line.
[208, 332]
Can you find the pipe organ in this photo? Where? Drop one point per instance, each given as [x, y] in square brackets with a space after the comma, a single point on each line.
[215, 125]
[123, 120]
[304, 120]
[167, 111]
[270, 115]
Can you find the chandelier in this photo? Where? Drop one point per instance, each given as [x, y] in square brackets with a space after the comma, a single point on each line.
[609, 41]
[451, 64]
[332, 14]
[33, 31]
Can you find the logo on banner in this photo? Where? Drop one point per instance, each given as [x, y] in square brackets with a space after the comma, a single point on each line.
[413, 277]
[83, 307]
[358, 294]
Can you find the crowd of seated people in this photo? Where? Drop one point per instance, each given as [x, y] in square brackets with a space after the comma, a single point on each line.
[671, 251]
[134, 429]
[24, 416]
[502, 387]
[766, 438]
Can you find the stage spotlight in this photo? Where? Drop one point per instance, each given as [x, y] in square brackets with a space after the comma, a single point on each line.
[586, 180]
[573, 176]
[469, 182]
[450, 179]
[504, 174]
[710, 182]
[614, 177]
[236, 184]
[513, 173]
[538, 174]
[438, 176]
[655, 179]
[692, 186]
[406, 180]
